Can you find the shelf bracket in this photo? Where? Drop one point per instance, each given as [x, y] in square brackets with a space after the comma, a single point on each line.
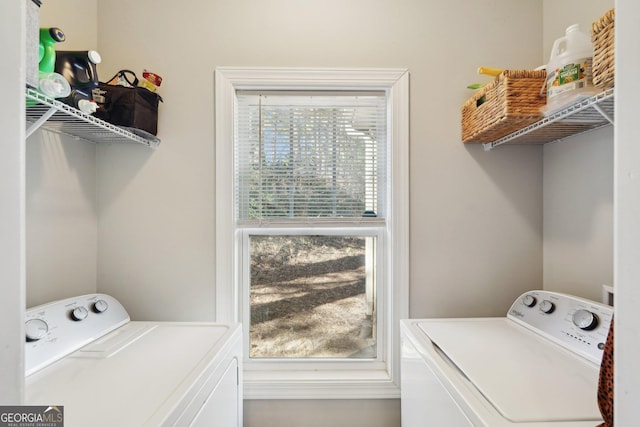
[35, 125]
[603, 113]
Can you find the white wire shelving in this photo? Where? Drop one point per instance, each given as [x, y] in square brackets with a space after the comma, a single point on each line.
[59, 117]
[585, 115]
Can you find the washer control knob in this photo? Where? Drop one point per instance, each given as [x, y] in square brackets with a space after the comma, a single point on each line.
[547, 306]
[36, 329]
[529, 300]
[79, 313]
[100, 306]
[584, 319]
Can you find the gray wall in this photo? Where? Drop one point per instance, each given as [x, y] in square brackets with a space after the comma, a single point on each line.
[12, 222]
[627, 208]
[578, 184]
[62, 223]
[578, 209]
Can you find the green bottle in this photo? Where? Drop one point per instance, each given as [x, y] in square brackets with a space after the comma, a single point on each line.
[47, 52]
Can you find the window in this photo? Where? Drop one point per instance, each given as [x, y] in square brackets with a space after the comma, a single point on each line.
[312, 227]
[311, 295]
[310, 155]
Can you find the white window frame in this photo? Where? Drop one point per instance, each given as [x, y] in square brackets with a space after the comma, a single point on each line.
[343, 378]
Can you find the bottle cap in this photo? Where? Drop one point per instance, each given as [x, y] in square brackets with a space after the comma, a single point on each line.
[94, 56]
[87, 107]
[155, 79]
[54, 85]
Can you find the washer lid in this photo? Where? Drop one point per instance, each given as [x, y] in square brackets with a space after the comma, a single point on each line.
[138, 375]
[524, 376]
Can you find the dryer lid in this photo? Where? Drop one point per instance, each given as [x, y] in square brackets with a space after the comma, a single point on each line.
[524, 376]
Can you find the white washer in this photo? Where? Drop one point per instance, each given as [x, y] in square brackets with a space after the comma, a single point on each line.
[538, 366]
[85, 354]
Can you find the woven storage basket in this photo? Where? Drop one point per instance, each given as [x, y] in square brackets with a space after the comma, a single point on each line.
[602, 36]
[510, 102]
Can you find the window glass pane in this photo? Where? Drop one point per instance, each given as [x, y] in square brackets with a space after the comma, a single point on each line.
[310, 156]
[312, 296]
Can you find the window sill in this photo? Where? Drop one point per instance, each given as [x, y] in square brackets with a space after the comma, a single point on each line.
[325, 384]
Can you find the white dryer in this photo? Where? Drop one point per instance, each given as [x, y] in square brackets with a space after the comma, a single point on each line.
[538, 366]
[85, 355]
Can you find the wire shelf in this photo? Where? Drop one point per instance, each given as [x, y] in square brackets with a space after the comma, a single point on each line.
[58, 117]
[585, 115]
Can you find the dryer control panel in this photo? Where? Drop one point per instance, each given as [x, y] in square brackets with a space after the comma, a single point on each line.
[578, 324]
[58, 328]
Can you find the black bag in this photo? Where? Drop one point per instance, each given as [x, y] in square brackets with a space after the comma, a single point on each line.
[134, 107]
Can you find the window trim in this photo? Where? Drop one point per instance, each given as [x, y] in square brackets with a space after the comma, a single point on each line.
[327, 383]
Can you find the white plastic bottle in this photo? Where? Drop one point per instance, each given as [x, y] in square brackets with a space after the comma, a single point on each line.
[87, 107]
[569, 77]
[54, 85]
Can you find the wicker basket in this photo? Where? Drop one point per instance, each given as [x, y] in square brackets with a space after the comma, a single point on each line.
[507, 104]
[602, 36]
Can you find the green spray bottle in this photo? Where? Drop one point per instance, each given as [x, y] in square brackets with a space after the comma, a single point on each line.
[47, 52]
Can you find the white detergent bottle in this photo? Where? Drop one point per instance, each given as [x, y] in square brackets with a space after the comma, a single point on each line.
[569, 77]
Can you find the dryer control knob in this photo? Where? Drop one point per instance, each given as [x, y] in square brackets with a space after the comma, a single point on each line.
[529, 300]
[547, 306]
[584, 319]
[35, 329]
[79, 313]
[100, 306]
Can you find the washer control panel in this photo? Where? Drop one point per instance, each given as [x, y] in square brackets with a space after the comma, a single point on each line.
[58, 328]
[578, 324]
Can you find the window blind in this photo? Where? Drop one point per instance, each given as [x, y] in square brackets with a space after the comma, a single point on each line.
[305, 155]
